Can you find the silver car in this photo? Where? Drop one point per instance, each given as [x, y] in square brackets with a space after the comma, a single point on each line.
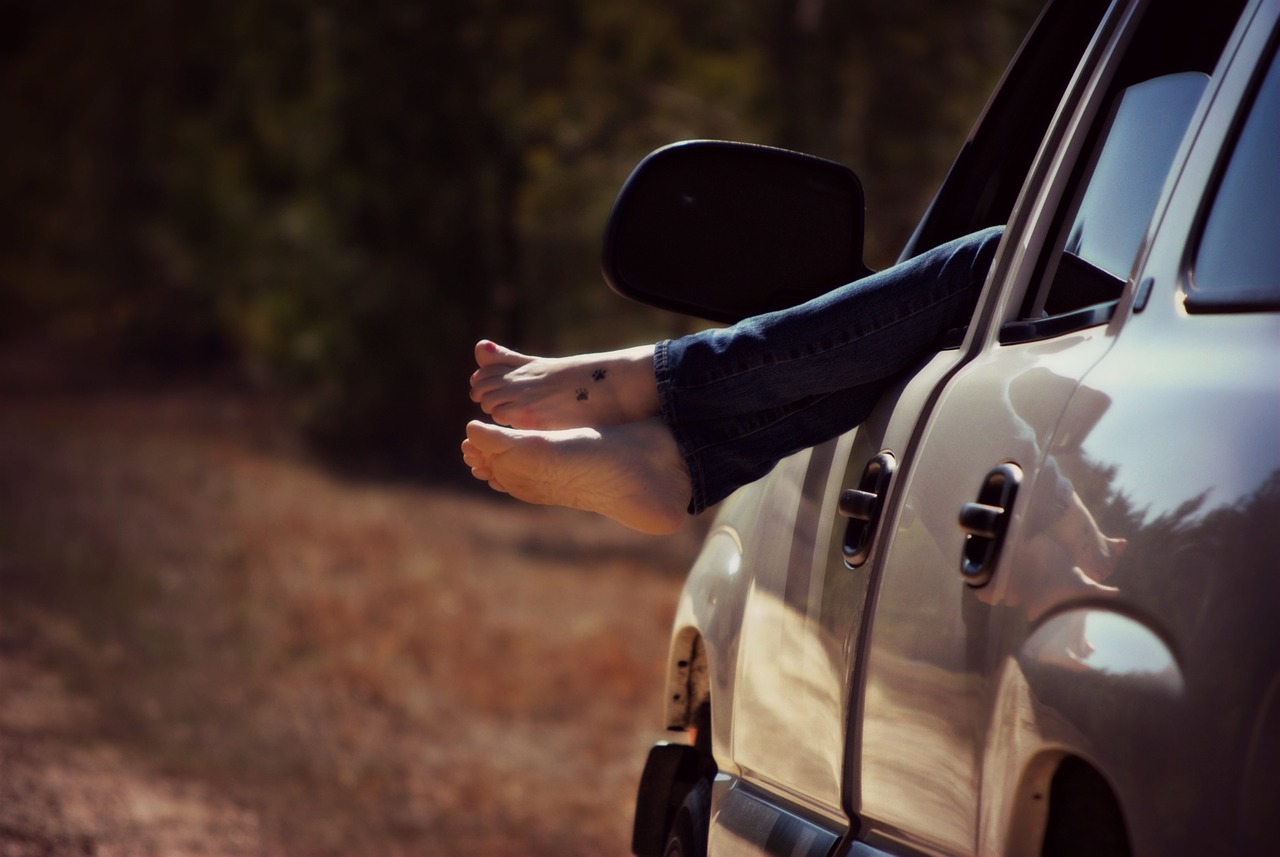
[1032, 605]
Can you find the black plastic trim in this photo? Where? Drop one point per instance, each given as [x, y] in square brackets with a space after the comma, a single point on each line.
[1200, 303]
[1056, 325]
[731, 288]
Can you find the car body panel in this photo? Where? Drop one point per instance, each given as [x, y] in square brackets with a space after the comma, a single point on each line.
[924, 702]
[797, 671]
[1183, 462]
[894, 708]
[1060, 641]
[802, 635]
[747, 819]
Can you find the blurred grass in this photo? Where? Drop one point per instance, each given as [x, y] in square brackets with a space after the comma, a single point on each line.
[357, 667]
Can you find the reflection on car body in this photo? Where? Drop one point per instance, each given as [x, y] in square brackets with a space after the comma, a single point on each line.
[1059, 634]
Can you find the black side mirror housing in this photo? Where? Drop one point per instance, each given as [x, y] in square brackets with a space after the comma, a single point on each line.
[724, 230]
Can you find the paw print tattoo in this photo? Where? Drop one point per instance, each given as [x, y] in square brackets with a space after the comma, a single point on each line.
[583, 395]
[599, 374]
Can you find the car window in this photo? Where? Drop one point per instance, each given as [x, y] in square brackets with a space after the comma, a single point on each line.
[1141, 139]
[1237, 264]
[989, 172]
[1147, 127]
[1128, 155]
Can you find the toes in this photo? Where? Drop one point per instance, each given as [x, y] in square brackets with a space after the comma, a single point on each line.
[514, 416]
[489, 440]
[488, 381]
[486, 352]
[480, 463]
[490, 388]
[489, 353]
[476, 460]
[490, 375]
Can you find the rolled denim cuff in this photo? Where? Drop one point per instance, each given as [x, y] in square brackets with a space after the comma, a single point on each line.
[664, 361]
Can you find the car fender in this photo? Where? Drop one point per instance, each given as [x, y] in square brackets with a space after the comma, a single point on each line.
[1070, 693]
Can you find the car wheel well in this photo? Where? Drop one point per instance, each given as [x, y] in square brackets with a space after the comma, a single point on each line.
[688, 686]
[1085, 816]
[672, 774]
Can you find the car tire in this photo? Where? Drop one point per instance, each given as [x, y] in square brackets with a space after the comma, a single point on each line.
[688, 837]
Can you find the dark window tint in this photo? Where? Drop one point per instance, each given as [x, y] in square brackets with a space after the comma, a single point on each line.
[1137, 149]
[1238, 261]
[1149, 123]
[1127, 155]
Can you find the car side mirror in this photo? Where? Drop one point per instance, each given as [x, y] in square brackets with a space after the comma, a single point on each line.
[725, 230]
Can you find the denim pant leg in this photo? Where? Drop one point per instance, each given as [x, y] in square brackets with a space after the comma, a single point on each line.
[739, 399]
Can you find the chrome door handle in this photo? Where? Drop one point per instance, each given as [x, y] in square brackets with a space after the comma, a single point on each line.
[984, 523]
[862, 506]
[981, 520]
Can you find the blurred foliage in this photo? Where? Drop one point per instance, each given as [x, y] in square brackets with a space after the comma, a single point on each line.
[339, 197]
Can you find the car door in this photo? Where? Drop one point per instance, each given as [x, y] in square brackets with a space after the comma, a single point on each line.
[1173, 442]
[981, 483]
[810, 564]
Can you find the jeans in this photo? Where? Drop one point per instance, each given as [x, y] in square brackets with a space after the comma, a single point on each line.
[739, 399]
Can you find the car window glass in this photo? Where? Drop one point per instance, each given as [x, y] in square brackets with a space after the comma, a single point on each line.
[1139, 143]
[989, 172]
[1238, 260]
[1128, 151]
[1147, 127]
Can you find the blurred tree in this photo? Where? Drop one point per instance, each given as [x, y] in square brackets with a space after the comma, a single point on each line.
[83, 90]
[341, 196]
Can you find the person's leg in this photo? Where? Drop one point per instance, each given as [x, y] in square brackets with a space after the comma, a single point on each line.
[631, 473]
[757, 365]
[595, 390]
[738, 400]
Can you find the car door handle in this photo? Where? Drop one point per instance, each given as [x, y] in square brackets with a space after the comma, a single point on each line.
[985, 522]
[981, 520]
[862, 506]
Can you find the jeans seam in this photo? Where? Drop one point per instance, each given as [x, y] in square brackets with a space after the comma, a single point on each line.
[666, 412]
[808, 355]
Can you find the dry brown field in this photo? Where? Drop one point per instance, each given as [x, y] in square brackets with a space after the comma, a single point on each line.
[211, 645]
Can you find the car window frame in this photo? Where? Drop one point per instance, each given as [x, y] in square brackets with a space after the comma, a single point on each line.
[1057, 176]
[1196, 301]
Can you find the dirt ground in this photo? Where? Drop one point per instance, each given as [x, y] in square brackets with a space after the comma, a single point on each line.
[209, 645]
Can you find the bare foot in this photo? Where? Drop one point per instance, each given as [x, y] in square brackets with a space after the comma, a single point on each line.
[1094, 552]
[595, 390]
[631, 473]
